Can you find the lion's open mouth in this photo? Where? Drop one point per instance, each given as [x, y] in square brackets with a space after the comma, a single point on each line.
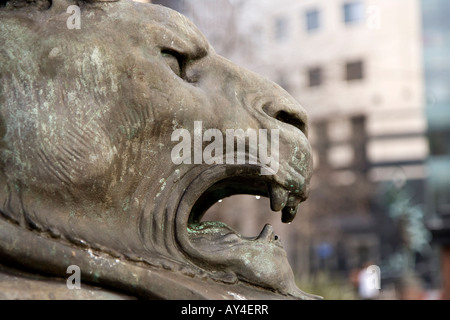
[214, 246]
[219, 182]
[280, 200]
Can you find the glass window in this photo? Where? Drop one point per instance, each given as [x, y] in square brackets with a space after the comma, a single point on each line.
[439, 142]
[281, 28]
[354, 70]
[353, 12]
[312, 20]
[315, 77]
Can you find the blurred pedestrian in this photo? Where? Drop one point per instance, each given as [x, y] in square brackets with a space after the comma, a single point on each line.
[367, 290]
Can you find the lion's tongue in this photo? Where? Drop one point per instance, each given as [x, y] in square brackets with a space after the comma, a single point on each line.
[210, 231]
[218, 232]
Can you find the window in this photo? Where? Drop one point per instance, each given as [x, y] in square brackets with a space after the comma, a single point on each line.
[315, 77]
[180, 6]
[439, 142]
[312, 20]
[353, 12]
[354, 71]
[281, 28]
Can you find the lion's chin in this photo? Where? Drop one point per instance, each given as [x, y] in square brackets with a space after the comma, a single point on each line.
[259, 260]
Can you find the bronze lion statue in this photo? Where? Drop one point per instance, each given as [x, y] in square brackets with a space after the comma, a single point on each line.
[87, 175]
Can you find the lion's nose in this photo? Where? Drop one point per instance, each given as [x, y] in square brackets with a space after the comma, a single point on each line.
[276, 102]
[288, 111]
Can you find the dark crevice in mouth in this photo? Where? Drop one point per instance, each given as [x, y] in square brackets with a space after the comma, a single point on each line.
[216, 231]
[226, 188]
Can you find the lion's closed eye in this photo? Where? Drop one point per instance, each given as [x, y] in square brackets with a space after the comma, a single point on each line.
[174, 60]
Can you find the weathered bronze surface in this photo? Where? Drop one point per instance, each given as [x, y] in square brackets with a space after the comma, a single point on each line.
[86, 174]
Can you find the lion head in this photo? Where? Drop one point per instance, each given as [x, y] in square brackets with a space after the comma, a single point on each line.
[87, 174]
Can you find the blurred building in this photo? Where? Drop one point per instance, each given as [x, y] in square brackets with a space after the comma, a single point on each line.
[436, 35]
[357, 67]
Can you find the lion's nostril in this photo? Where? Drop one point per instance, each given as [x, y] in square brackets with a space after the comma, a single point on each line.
[289, 116]
[291, 119]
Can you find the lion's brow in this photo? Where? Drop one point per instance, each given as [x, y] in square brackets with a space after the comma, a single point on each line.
[181, 33]
[184, 44]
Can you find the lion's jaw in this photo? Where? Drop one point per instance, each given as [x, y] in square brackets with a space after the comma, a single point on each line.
[137, 210]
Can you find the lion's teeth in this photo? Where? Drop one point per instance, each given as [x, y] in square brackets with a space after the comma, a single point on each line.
[278, 197]
[281, 199]
[288, 214]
